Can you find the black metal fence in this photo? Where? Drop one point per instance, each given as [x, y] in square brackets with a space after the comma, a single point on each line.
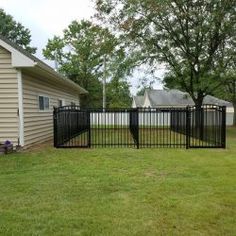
[187, 127]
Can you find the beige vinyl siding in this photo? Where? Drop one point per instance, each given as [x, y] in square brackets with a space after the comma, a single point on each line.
[38, 125]
[8, 99]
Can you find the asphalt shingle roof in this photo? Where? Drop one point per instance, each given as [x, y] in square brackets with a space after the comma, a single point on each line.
[176, 97]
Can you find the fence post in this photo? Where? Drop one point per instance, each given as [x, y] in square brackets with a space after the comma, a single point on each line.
[137, 111]
[223, 128]
[187, 127]
[55, 127]
[89, 129]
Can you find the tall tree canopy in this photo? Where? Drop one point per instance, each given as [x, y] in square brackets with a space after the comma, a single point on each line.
[80, 55]
[15, 31]
[190, 37]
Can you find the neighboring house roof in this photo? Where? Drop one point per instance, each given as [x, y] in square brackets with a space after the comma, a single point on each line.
[138, 100]
[23, 59]
[176, 97]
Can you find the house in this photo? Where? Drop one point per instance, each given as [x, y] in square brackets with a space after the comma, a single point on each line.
[137, 101]
[176, 98]
[29, 89]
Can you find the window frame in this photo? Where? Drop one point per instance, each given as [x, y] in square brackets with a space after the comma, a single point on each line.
[44, 97]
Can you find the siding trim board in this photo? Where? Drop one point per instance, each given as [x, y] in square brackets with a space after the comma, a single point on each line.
[20, 108]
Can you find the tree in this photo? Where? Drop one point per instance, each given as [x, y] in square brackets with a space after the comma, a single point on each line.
[80, 54]
[118, 94]
[231, 93]
[228, 90]
[190, 37]
[15, 32]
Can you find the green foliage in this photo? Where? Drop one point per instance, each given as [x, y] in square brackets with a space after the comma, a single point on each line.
[15, 31]
[192, 38]
[118, 94]
[228, 90]
[80, 54]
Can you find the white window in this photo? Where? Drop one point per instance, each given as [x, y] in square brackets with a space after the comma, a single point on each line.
[43, 103]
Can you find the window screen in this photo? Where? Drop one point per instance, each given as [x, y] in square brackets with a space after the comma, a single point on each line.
[41, 106]
[46, 103]
[43, 103]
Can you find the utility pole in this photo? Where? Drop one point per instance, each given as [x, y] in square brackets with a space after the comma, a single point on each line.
[56, 62]
[56, 65]
[104, 83]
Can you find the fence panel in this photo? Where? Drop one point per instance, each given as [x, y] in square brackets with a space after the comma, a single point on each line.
[71, 127]
[111, 128]
[207, 127]
[158, 128]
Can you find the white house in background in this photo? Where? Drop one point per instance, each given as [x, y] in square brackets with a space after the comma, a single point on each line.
[176, 98]
[137, 101]
[29, 89]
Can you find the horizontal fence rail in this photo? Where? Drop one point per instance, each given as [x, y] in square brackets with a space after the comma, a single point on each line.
[188, 127]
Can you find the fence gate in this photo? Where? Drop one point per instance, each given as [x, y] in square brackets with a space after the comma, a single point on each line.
[186, 127]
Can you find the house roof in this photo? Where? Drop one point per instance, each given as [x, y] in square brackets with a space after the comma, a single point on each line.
[37, 63]
[176, 97]
[139, 101]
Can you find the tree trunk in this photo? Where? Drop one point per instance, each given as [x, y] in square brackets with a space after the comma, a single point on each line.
[234, 120]
[199, 119]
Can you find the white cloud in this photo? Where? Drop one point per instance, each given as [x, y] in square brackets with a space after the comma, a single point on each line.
[46, 18]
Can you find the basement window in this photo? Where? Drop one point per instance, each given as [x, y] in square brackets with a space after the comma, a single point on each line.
[43, 103]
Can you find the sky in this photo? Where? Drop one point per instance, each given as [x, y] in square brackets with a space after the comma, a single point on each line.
[46, 18]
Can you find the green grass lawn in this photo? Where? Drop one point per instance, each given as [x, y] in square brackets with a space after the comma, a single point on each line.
[119, 191]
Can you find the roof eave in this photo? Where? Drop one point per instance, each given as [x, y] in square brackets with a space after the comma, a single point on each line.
[21, 59]
[62, 79]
